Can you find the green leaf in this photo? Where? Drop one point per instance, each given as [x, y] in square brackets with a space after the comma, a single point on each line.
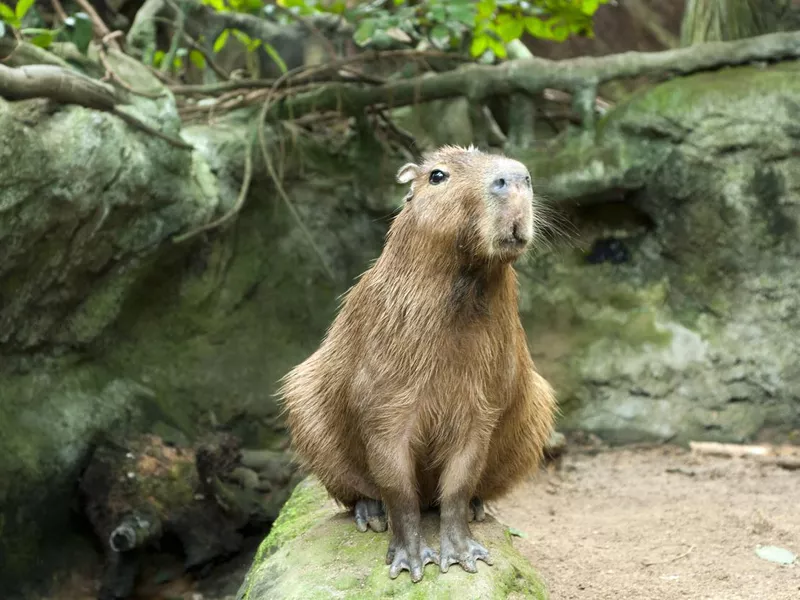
[479, 45]
[273, 54]
[536, 27]
[497, 47]
[438, 13]
[440, 36]
[557, 29]
[78, 30]
[198, 60]
[221, 40]
[158, 58]
[40, 37]
[23, 6]
[589, 7]
[366, 29]
[509, 28]
[464, 14]
[242, 37]
[486, 8]
[517, 532]
[338, 7]
[8, 15]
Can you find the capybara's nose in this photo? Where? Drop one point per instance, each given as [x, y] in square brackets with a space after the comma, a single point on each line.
[505, 183]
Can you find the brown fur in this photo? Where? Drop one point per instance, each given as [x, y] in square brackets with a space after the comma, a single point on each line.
[425, 374]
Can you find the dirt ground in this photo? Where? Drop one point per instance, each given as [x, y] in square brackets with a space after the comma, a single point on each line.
[658, 524]
[623, 524]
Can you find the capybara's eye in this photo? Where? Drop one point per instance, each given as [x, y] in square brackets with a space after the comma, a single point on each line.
[437, 176]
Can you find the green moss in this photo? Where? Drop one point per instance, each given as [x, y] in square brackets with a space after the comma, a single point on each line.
[299, 514]
[315, 552]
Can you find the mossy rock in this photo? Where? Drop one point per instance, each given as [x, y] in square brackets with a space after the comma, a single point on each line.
[314, 551]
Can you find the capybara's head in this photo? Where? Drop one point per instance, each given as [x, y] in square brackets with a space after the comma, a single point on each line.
[482, 203]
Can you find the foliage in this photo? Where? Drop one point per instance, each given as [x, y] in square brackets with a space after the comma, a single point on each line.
[76, 29]
[488, 25]
[482, 28]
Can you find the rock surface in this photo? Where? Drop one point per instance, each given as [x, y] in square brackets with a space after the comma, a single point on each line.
[107, 325]
[314, 551]
[669, 314]
[672, 311]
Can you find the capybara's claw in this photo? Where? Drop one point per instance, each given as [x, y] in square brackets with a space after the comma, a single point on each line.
[370, 514]
[401, 558]
[465, 552]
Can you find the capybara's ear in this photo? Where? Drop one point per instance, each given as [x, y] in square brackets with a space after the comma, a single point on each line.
[407, 172]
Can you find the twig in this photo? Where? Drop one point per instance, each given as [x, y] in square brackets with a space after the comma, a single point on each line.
[647, 563]
[200, 48]
[209, 89]
[261, 124]
[101, 30]
[179, 26]
[248, 175]
[59, 10]
[178, 143]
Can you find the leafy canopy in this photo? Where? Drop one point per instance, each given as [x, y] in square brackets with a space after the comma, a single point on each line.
[488, 25]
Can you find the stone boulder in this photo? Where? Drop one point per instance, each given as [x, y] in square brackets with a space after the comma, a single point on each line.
[315, 552]
[670, 308]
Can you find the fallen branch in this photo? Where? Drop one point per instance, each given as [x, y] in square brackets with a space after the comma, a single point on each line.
[532, 76]
[786, 456]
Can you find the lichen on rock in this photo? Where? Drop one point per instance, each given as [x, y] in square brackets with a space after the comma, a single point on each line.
[315, 552]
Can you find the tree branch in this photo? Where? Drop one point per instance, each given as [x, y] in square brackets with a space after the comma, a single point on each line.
[56, 83]
[101, 30]
[531, 76]
[71, 87]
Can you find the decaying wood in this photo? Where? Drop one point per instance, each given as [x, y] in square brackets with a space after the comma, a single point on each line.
[785, 456]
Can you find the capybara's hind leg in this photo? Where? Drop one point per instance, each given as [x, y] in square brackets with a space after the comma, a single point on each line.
[370, 514]
[476, 510]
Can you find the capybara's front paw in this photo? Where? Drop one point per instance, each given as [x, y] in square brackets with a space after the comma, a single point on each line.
[369, 514]
[463, 550]
[411, 557]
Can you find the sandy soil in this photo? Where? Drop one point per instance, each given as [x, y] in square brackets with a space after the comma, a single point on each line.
[624, 524]
[658, 524]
